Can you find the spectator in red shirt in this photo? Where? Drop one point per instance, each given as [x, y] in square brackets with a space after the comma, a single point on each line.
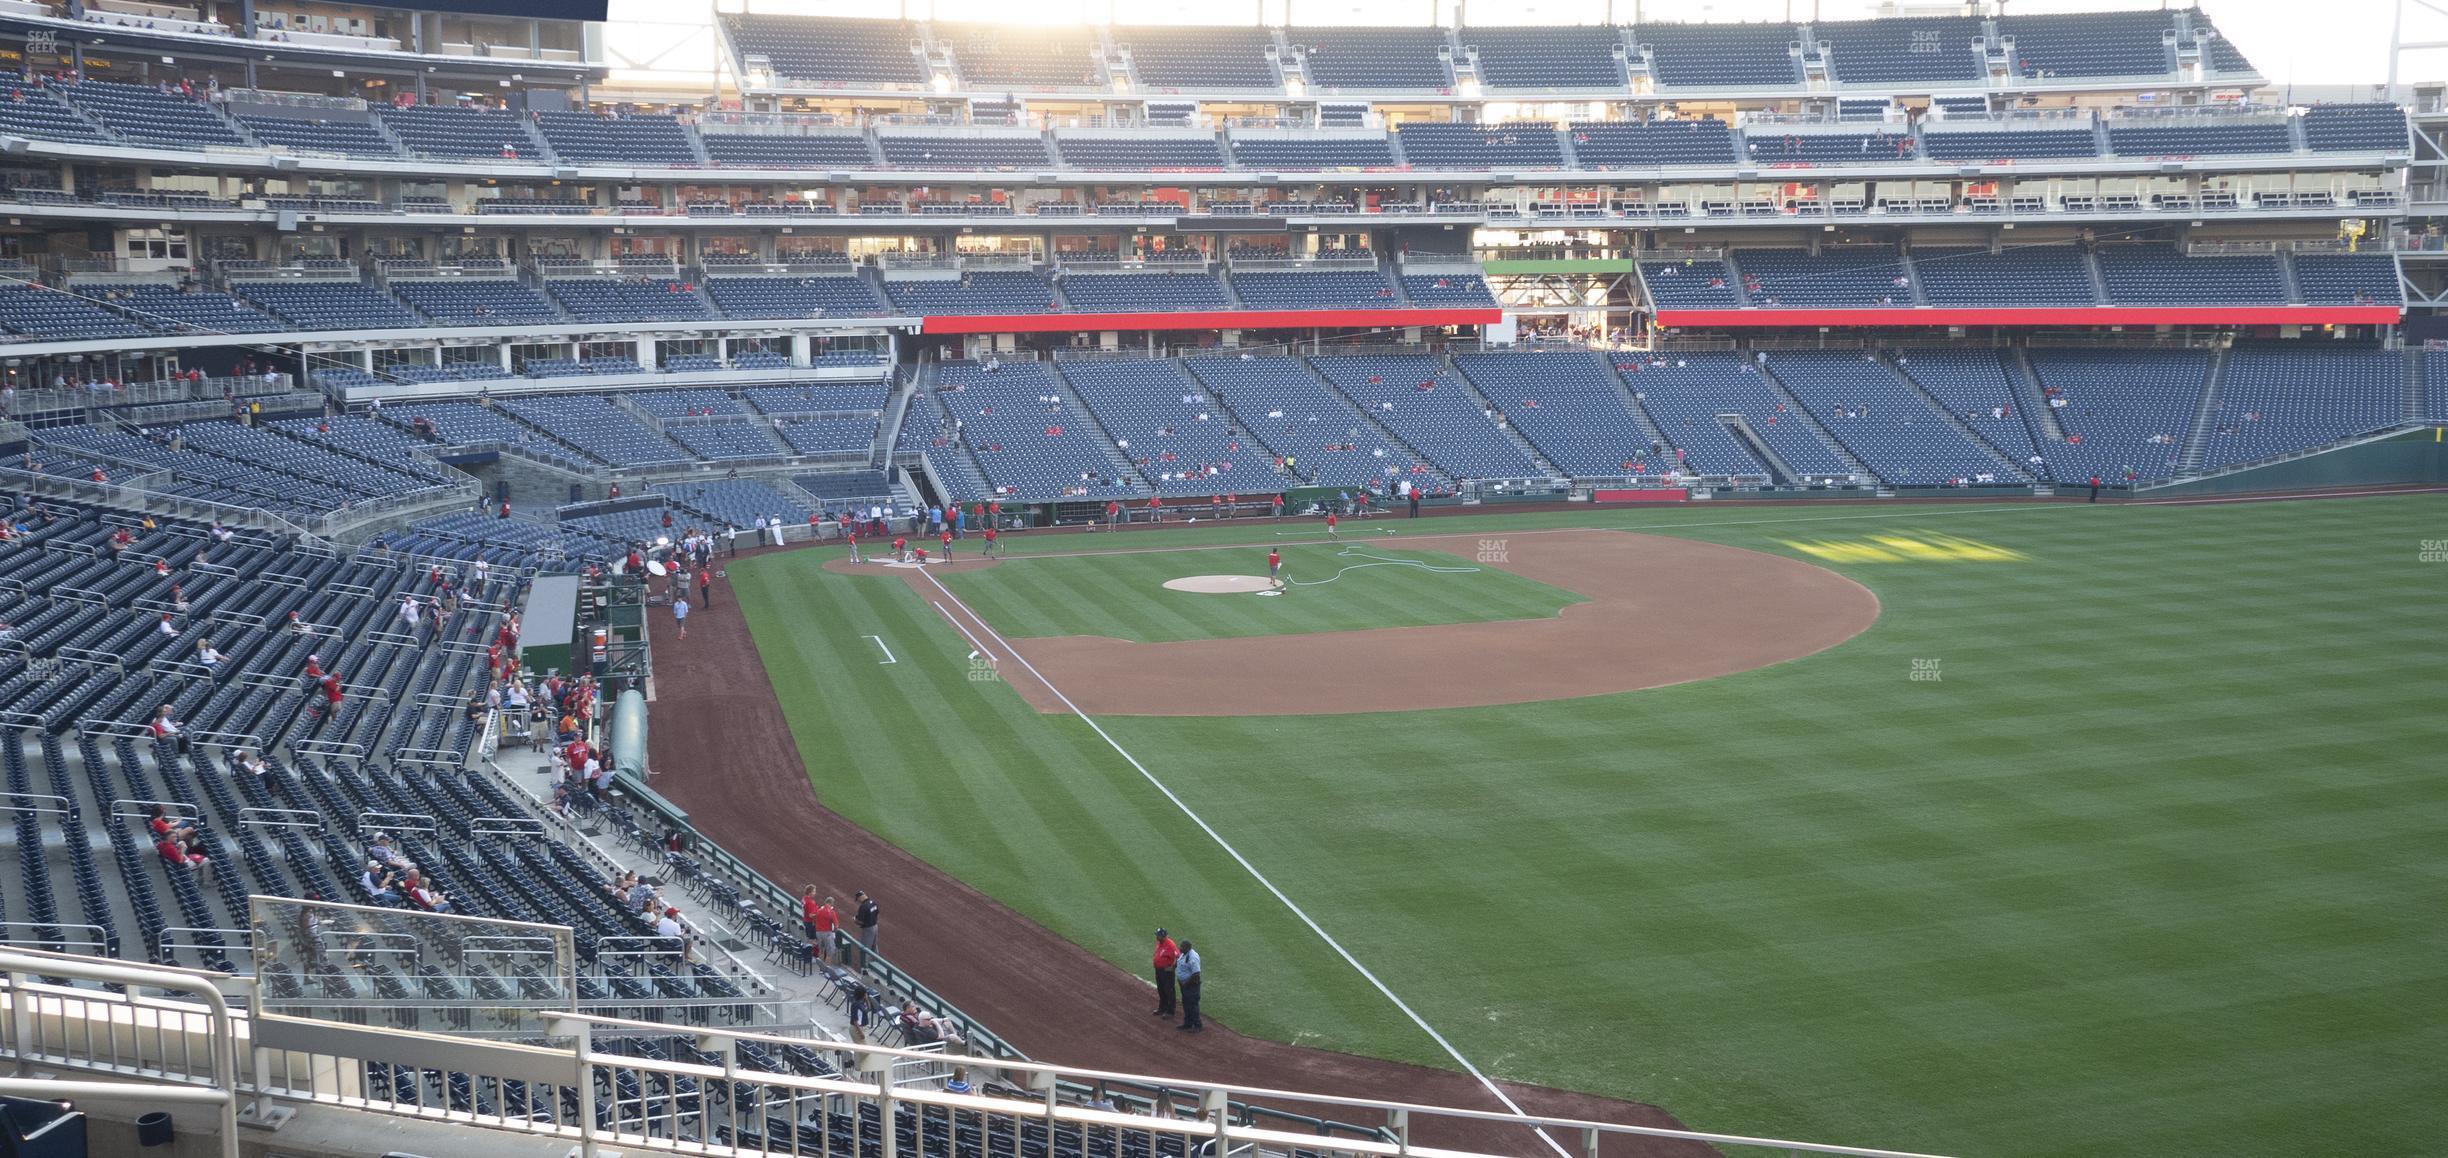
[1166, 954]
[993, 542]
[946, 536]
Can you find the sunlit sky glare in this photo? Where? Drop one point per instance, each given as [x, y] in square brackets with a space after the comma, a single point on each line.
[2333, 42]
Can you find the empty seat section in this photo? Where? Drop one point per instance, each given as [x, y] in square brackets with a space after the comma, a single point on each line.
[1448, 291]
[2356, 129]
[2141, 139]
[998, 57]
[736, 502]
[1645, 144]
[832, 398]
[830, 51]
[1201, 57]
[595, 424]
[354, 138]
[1164, 421]
[2123, 409]
[1690, 284]
[1362, 289]
[1719, 56]
[2283, 398]
[1447, 146]
[2349, 279]
[2037, 275]
[1973, 386]
[2152, 274]
[1765, 145]
[2090, 44]
[1685, 394]
[1977, 145]
[36, 110]
[655, 299]
[453, 133]
[193, 309]
[1903, 50]
[1032, 440]
[1313, 153]
[1372, 58]
[790, 151]
[1548, 58]
[639, 140]
[476, 301]
[144, 115]
[795, 297]
[1846, 278]
[1283, 404]
[991, 291]
[1134, 293]
[1892, 427]
[61, 316]
[323, 304]
[1414, 396]
[1140, 153]
[1569, 405]
[965, 152]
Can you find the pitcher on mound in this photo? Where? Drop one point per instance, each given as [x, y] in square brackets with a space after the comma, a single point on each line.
[1275, 579]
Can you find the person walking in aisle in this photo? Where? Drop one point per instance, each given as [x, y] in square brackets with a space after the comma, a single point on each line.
[1188, 975]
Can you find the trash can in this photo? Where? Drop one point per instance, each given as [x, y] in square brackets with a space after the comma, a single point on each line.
[153, 1129]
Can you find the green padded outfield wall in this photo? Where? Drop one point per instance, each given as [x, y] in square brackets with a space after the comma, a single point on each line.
[2417, 456]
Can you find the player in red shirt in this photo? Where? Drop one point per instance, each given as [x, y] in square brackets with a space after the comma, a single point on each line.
[1275, 569]
[1330, 524]
[947, 545]
[850, 532]
[993, 537]
[901, 548]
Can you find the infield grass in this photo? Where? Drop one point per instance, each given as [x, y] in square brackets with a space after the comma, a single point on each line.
[1350, 587]
[2154, 865]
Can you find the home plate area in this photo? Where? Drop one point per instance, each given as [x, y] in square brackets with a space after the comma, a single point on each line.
[1219, 584]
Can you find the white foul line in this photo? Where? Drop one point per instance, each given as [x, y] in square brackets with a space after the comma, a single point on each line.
[888, 655]
[1244, 862]
[959, 627]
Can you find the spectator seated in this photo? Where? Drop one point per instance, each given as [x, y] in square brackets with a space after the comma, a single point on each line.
[1033, 441]
[1558, 58]
[1172, 430]
[353, 138]
[53, 315]
[2034, 275]
[931, 151]
[1430, 411]
[1495, 146]
[1846, 278]
[2376, 128]
[638, 140]
[476, 301]
[652, 299]
[326, 304]
[460, 424]
[36, 111]
[1690, 284]
[1571, 407]
[818, 296]
[1722, 56]
[829, 50]
[987, 291]
[144, 115]
[1301, 154]
[1973, 385]
[1133, 293]
[1327, 289]
[1189, 59]
[1688, 393]
[183, 310]
[2155, 274]
[1347, 57]
[1283, 404]
[1649, 144]
[1140, 153]
[2122, 408]
[817, 150]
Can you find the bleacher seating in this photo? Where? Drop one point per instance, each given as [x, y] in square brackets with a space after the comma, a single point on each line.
[144, 115]
[1974, 146]
[2124, 409]
[1973, 386]
[685, 403]
[734, 502]
[637, 139]
[1570, 406]
[1850, 278]
[1722, 56]
[1285, 406]
[1429, 145]
[1415, 398]
[2364, 128]
[2279, 398]
[715, 441]
[1902, 50]
[1351, 57]
[654, 299]
[2226, 138]
[986, 291]
[1646, 144]
[463, 423]
[832, 398]
[1034, 443]
[1194, 58]
[830, 50]
[1764, 145]
[2155, 274]
[2090, 44]
[54, 315]
[1140, 152]
[828, 435]
[1130, 293]
[594, 425]
[2349, 279]
[189, 309]
[927, 433]
[447, 132]
[1332, 289]
[937, 151]
[1448, 291]
[353, 138]
[476, 301]
[326, 304]
[1685, 393]
[1171, 429]
[834, 150]
[1893, 428]
[36, 111]
[1002, 57]
[1547, 58]
[1690, 284]
[2032, 275]
[1304, 153]
[795, 297]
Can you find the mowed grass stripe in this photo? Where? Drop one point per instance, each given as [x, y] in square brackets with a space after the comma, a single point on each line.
[2151, 868]
[1122, 596]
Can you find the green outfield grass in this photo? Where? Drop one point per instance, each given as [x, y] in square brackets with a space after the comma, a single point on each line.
[2154, 865]
[1121, 595]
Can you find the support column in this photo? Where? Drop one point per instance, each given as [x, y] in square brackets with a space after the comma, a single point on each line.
[799, 349]
[647, 352]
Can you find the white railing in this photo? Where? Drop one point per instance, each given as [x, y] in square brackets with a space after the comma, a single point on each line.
[190, 1042]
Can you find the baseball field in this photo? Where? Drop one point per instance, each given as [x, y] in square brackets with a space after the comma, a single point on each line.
[2036, 829]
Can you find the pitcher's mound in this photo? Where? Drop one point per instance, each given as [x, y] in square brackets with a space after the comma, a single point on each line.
[1219, 584]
